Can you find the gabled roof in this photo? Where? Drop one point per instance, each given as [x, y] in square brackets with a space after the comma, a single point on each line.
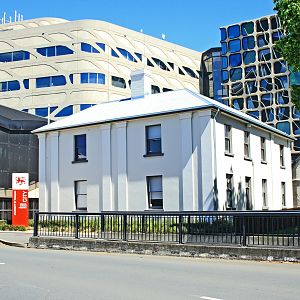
[150, 105]
[12, 119]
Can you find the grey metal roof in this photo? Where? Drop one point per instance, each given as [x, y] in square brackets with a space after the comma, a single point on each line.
[12, 119]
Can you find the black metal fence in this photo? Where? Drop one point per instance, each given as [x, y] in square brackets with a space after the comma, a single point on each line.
[272, 228]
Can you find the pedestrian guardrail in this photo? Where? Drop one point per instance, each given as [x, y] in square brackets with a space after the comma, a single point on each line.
[259, 228]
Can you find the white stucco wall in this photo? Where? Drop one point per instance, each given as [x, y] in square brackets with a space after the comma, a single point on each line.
[193, 161]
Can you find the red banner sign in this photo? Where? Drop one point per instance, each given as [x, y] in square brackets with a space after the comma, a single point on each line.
[20, 200]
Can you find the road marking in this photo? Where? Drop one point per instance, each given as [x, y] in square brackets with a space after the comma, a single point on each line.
[2, 263]
[209, 298]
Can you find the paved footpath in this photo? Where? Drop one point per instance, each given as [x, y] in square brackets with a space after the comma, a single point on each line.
[16, 237]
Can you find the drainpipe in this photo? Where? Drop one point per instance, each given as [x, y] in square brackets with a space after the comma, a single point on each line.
[215, 158]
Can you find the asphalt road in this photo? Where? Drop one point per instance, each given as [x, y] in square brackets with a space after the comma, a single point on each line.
[52, 274]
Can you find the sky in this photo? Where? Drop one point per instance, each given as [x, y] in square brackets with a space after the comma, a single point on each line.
[190, 23]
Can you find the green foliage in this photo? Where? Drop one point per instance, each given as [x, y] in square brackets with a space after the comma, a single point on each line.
[289, 14]
[4, 226]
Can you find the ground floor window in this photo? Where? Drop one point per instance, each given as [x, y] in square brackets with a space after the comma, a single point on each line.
[80, 194]
[155, 192]
[229, 192]
[248, 193]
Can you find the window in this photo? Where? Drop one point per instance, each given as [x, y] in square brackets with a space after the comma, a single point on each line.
[80, 187]
[114, 53]
[101, 45]
[229, 192]
[283, 194]
[26, 83]
[43, 82]
[263, 149]
[80, 147]
[88, 48]
[118, 82]
[153, 140]
[45, 111]
[281, 150]
[246, 144]
[155, 89]
[228, 140]
[66, 111]
[248, 193]
[14, 56]
[155, 193]
[7, 86]
[264, 193]
[85, 106]
[126, 54]
[139, 56]
[190, 72]
[54, 51]
[160, 64]
[93, 78]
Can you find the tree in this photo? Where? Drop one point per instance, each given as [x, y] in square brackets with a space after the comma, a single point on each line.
[289, 46]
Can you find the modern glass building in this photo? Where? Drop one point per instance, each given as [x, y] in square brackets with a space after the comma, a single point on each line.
[255, 78]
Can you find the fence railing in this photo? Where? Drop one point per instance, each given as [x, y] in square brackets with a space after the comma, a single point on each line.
[272, 228]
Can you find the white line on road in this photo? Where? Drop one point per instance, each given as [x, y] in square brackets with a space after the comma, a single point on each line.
[209, 298]
[2, 263]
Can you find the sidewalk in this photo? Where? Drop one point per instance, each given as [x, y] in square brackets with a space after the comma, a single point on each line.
[15, 238]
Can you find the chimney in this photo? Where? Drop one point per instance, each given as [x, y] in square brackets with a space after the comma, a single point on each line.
[140, 83]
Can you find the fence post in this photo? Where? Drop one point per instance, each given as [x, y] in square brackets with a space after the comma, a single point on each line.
[125, 227]
[35, 224]
[180, 230]
[244, 231]
[76, 226]
[102, 223]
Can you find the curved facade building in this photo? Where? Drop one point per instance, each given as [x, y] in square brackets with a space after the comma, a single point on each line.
[56, 67]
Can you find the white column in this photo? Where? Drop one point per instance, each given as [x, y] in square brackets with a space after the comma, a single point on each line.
[187, 162]
[43, 194]
[122, 166]
[54, 175]
[106, 167]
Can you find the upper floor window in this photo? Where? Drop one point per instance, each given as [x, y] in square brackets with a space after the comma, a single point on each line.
[118, 82]
[155, 192]
[80, 187]
[228, 140]
[155, 89]
[7, 86]
[246, 144]
[14, 56]
[54, 51]
[139, 56]
[281, 150]
[80, 147]
[263, 149]
[283, 198]
[114, 53]
[43, 82]
[153, 140]
[101, 45]
[190, 72]
[126, 54]
[160, 63]
[85, 47]
[97, 78]
[65, 112]
[26, 83]
[45, 111]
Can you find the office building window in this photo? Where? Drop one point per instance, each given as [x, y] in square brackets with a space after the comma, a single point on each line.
[65, 112]
[263, 149]
[229, 192]
[247, 144]
[43, 82]
[118, 82]
[281, 150]
[153, 140]
[248, 193]
[160, 64]
[7, 86]
[92, 78]
[14, 56]
[80, 187]
[126, 54]
[85, 47]
[264, 193]
[54, 51]
[155, 89]
[283, 194]
[101, 45]
[190, 72]
[228, 140]
[155, 192]
[80, 147]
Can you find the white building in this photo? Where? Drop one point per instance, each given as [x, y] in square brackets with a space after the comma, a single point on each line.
[172, 151]
[55, 67]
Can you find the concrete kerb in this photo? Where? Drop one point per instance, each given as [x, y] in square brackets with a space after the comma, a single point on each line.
[14, 244]
[183, 250]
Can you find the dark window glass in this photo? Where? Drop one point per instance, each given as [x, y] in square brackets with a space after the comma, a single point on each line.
[101, 45]
[71, 76]
[190, 72]
[283, 113]
[238, 103]
[126, 54]
[155, 192]
[224, 48]
[224, 76]
[237, 89]
[80, 187]
[262, 25]
[282, 97]
[250, 72]
[235, 59]
[139, 56]
[171, 65]
[249, 57]
[233, 31]
[254, 114]
[114, 53]
[167, 90]
[161, 64]
[43, 111]
[80, 147]
[229, 192]
[235, 74]
[88, 48]
[266, 85]
[263, 40]
[265, 70]
[54, 51]
[63, 50]
[228, 139]
[248, 43]
[296, 113]
[294, 78]
[280, 67]
[26, 83]
[6, 57]
[153, 139]
[13, 85]
[275, 23]
[234, 45]
[84, 78]
[267, 115]
[20, 55]
[92, 78]
[42, 51]
[223, 34]
[264, 55]
[66, 111]
[50, 51]
[85, 106]
[42, 82]
[58, 80]
[276, 36]
[118, 82]
[296, 127]
[252, 102]
[267, 99]
[150, 64]
[247, 28]
[155, 89]
[224, 62]
[284, 127]
[281, 82]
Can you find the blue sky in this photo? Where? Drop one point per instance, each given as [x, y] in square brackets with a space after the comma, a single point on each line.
[191, 23]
